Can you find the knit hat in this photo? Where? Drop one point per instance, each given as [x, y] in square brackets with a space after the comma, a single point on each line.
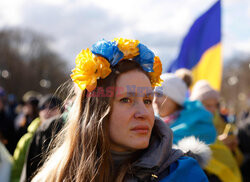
[202, 91]
[173, 87]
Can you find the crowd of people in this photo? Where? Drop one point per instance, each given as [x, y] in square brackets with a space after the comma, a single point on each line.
[23, 125]
[149, 127]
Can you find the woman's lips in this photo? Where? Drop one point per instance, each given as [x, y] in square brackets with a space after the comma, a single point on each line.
[140, 129]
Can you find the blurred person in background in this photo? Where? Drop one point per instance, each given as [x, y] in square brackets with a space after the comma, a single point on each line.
[20, 108]
[28, 113]
[227, 156]
[6, 124]
[184, 117]
[49, 107]
[5, 140]
[210, 99]
[4, 121]
[114, 136]
[39, 138]
[11, 109]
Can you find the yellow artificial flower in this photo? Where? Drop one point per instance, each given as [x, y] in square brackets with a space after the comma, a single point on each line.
[128, 47]
[88, 69]
[155, 76]
[104, 67]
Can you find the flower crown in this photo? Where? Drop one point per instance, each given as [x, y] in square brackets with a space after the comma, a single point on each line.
[95, 64]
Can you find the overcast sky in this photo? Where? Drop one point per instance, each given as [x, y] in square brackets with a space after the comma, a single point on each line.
[159, 24]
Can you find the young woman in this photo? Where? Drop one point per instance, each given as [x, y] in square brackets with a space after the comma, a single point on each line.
[185, 118]
[112, 134]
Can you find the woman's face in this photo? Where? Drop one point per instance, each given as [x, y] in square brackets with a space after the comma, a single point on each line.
[27, 109]
[132, 117]
[211, 105]
[47, 112]
[164, 105]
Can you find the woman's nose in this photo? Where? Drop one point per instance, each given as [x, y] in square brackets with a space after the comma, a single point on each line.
[141, 111]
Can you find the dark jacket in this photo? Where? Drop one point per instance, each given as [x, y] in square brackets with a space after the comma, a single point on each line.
[160, 162]
[39, 147]
[7, 131]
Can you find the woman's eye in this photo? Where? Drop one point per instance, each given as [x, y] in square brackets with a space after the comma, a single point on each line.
[148, 101]
[125, 100]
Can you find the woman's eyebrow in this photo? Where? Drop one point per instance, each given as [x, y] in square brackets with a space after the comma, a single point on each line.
[132, 94]
[126, 94]
[135, 94]
[144, 94]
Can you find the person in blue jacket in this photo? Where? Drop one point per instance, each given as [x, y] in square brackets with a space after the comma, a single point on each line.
[111, 133]
[186, 118]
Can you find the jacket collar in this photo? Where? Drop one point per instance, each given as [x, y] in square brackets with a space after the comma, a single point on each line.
[159, 155]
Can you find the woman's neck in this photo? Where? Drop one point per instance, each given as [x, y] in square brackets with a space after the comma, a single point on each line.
[119, 158]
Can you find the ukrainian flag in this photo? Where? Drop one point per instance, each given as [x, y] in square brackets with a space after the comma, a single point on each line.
[201, 48]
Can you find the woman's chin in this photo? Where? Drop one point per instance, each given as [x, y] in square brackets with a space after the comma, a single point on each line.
[142, 144]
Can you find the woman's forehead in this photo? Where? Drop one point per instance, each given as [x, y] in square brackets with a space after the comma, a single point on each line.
[134, 83]
[134, 77]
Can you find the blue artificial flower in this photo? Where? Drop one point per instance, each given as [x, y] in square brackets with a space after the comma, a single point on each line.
[146, 58]
[108, 50]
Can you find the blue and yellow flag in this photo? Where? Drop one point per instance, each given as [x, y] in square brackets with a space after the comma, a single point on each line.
[201, 48]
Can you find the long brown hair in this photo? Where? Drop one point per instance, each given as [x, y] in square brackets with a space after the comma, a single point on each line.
[82, 149]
